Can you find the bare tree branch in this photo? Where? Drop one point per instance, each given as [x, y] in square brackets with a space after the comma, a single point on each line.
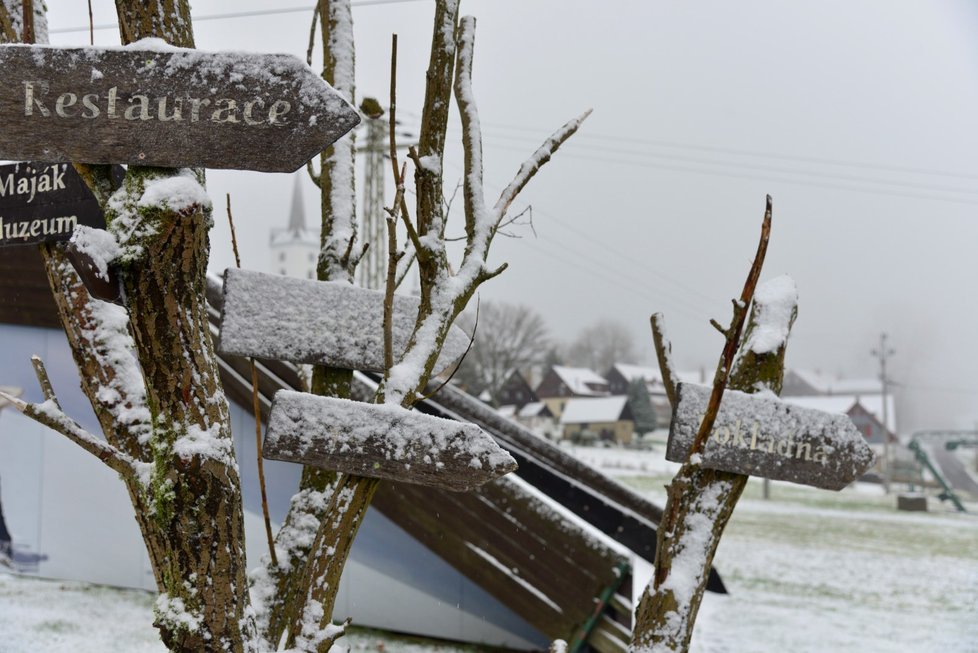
[663, 353]
[50, 415]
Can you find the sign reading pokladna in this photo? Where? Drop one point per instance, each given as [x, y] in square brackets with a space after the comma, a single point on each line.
[155, 105]
[764, 436]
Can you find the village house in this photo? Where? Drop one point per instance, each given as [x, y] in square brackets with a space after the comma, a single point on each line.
[621, 376]
[515, 391]
[598, 419]
[560, 383]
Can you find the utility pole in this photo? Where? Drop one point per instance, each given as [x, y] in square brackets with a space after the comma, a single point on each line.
[373, 267]
[882, 354]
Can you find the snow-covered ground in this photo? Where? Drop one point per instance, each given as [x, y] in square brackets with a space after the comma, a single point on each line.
[42, 616]
[812, 571]
[808, 571]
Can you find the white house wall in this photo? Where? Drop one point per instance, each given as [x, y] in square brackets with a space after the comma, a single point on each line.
[72, 514]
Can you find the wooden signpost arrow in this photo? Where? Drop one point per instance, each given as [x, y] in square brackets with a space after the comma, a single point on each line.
[382, 441]
[305, 321]
[166, 106]
[766, 437]
[43, 202]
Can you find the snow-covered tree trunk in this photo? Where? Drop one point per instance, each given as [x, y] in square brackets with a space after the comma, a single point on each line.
[163, 412]
[701, 501]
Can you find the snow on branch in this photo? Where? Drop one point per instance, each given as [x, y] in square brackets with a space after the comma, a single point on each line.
[444, 292]
[50, 414]
[534, 163]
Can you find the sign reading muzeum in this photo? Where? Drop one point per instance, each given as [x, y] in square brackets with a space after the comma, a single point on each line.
[153, 105]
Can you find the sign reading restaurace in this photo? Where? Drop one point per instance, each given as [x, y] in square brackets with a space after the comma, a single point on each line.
[42, 202]
[764, 436]
[151, 104]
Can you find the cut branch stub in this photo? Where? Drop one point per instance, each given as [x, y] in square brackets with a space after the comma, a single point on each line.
[382, 441]
[320, 322]
[764, 436]
[157, 105]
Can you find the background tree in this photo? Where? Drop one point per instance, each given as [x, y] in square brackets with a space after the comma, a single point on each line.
[151, 373]
[601, 345]
[508, 337]
[642, 409]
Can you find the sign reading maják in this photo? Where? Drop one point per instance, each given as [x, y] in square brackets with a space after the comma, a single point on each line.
[764, 436]
[43, 202]
[150, 104]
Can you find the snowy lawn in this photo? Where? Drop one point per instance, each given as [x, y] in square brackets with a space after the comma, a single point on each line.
[809, 571]
[41, 616]
[813, 571]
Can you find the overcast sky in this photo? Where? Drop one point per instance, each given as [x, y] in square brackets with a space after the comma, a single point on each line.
[857, 116]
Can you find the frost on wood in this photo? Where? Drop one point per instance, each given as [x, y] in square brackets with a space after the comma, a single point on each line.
[382, 441]
[328, 323]
[766, 437]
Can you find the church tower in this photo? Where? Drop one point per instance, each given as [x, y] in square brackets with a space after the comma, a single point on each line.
[295, 248]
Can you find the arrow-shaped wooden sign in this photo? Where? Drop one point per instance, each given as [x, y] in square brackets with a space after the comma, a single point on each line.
[764, 436]
[327, 323]
[382, 441]
[151, 104]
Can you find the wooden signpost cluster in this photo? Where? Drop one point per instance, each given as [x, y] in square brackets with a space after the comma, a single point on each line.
[155, 105]
[339, 325]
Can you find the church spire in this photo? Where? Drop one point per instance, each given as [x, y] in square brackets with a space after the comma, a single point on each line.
[297, 216]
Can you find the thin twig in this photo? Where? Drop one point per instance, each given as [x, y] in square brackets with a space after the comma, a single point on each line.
[312, 32]
[44, 381]
[733, 336]
[461, 359]
[28, 32]
[52, 417]
[663, 352]
[393, 256]
[91, 25]
[256, 406]
[312, 174]
[234, 239]
[399, 172]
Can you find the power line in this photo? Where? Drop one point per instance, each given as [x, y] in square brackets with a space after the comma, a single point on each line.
[238, 14]
[754, 177]
[584, 134]
[765, 168]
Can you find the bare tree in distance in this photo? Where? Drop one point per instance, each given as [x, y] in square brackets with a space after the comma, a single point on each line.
[600, 346]
[508, 337]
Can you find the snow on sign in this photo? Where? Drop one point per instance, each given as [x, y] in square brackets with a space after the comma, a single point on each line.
[155, 105]
[327, 323]
[382, 441]
[41, 202]
[763, 436]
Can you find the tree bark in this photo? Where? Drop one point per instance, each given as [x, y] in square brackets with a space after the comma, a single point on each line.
[666, 614]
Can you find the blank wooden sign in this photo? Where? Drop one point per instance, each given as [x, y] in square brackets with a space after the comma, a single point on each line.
[155, 105]
[764, 436]
[382, 441]
[328, 323]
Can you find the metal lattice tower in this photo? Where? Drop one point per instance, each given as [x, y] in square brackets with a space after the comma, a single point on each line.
[373, 227]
